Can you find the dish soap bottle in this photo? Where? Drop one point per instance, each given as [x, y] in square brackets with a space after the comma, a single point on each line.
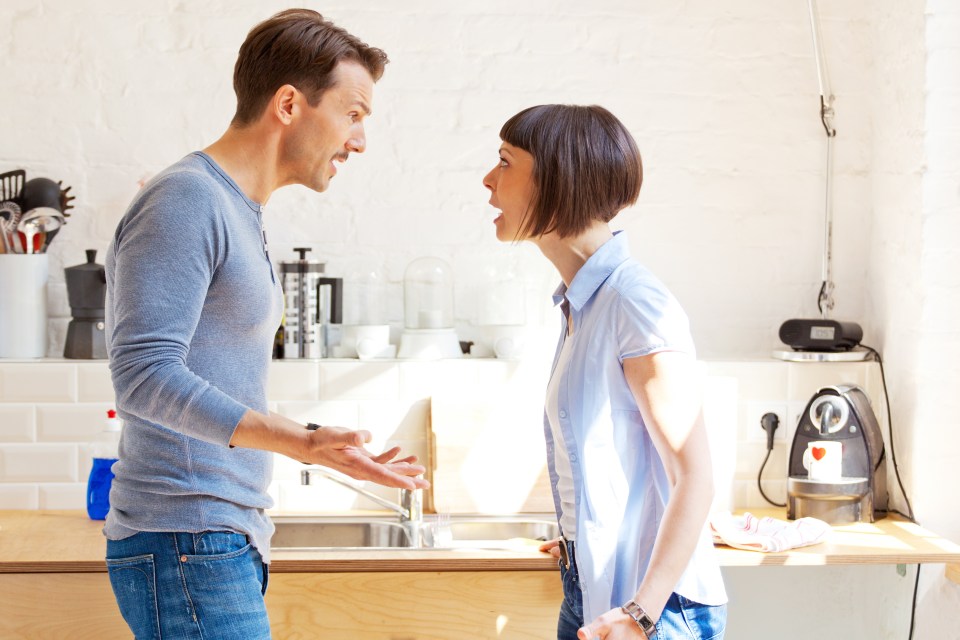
[105, 453]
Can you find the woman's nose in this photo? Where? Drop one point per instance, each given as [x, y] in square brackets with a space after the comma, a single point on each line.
[489, 180]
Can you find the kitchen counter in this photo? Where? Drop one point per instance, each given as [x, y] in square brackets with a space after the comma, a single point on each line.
[68, 542]
[512, 592]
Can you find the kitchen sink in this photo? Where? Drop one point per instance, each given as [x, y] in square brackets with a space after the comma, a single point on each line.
[344, 532]
[338, 533]
[497, 529]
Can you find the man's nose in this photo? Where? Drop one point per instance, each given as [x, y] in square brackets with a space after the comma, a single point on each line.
[358, 142]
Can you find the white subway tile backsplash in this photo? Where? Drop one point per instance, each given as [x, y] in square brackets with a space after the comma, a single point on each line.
[75, 422]
[19, 496]
[72, 495]
[336, 413]
[94, 384]
[17, 423]
[395, 420]
[293, 380]
[345, 380]
[38, 382]
[38, 462]
[419, 380]
[44, 458]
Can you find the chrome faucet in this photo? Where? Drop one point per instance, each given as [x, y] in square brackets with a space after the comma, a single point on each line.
[410, 508]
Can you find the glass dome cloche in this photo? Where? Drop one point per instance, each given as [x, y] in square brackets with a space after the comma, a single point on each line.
[428, 311]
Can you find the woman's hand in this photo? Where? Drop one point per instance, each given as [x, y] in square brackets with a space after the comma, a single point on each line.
[612, 625]
[552, 547]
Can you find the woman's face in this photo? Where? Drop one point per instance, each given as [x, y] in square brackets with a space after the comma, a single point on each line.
[511, 190]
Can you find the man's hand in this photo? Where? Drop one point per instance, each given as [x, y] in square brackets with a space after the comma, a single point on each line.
[335, 447]
[342, 450]
[612, 625]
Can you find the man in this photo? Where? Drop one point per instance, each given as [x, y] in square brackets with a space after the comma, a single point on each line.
[193, 307]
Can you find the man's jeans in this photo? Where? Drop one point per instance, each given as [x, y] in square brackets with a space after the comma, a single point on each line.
[189, 585]
[681, 618]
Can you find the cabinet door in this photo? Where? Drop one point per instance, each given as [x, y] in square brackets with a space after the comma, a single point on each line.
[54, 606]
[518, 605]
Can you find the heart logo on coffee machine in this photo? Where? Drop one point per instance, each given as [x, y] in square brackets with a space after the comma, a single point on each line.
[818, 452]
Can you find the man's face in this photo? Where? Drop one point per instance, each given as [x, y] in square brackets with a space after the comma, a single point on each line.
[330, 131]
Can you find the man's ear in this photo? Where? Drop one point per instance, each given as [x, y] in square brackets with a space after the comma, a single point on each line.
[284, 104]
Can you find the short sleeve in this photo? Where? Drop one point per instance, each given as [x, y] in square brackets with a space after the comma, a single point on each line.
[649, 319]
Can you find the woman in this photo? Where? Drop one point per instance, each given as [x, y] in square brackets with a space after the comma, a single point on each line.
[626, 444]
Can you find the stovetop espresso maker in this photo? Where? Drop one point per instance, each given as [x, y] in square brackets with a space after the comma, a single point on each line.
[838, 465]
[87, 292]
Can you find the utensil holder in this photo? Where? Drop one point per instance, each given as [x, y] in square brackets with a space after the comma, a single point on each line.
[23, 305]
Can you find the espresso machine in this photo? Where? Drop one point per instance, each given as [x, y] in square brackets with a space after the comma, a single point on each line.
[86, 291]
[839, 414]
[313, 306]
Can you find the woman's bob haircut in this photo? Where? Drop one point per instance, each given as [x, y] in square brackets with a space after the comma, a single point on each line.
[586, 166]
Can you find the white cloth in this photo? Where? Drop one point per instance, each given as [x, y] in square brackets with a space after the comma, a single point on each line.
[766, 534]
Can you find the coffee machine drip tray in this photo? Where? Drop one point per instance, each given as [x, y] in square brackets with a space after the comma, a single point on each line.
[837, 502]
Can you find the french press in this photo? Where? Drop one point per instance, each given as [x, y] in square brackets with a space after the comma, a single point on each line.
[313, 303]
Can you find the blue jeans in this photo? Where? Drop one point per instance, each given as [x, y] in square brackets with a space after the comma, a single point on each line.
[682, 618]
[206, 585]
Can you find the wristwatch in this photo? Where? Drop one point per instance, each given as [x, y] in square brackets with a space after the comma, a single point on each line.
[644, 621]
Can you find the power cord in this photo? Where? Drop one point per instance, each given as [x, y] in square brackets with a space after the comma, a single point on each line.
[913, 607]
[769, 423]
[896, 471]
[893, 451]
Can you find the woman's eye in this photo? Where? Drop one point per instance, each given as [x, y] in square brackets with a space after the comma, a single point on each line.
[503, 162]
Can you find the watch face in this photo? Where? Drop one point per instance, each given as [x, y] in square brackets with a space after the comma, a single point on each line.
[646, 622]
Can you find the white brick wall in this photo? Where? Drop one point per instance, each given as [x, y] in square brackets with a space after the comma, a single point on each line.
[720, 96]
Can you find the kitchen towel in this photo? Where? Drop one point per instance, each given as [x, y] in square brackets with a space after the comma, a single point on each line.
[766, 534]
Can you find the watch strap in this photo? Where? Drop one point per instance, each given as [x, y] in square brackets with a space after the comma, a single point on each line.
[643, 620]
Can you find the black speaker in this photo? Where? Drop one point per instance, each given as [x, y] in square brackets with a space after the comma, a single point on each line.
[820, 335]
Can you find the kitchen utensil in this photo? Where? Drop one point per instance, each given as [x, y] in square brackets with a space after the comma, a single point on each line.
[86, 291]
[841, 416]
[11, 184]
[41, 192]
[37, 221]
[313, 304]
[9, 217]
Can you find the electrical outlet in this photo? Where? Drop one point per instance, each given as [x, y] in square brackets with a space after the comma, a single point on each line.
[755, 410]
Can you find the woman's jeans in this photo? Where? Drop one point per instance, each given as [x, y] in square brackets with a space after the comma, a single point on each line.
[681, 618]
[206, 585]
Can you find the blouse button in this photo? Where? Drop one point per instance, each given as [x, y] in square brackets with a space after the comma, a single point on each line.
[563, 414]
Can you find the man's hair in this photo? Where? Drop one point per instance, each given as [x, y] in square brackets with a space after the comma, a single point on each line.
[298, 47]
[586, 166]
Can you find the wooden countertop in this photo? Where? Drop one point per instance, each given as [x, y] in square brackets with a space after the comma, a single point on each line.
[891, 540]
[68, 542]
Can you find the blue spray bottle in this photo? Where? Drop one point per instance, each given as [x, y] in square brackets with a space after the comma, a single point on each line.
[105, 453]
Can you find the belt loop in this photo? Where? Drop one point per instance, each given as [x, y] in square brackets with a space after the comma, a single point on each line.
[564, 552]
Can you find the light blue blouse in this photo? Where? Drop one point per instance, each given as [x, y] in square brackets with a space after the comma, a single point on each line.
[620, 310]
